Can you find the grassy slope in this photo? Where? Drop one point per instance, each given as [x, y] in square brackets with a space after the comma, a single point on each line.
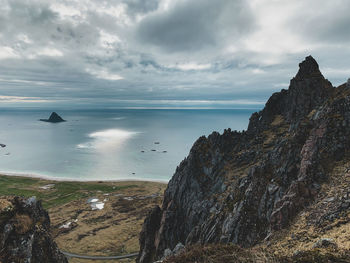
[113, 230]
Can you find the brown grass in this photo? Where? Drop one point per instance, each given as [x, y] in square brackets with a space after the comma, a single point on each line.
[5, 205]
[114, 230]
[303, 233]
[219, 253]
[22, 223]
[278, 120]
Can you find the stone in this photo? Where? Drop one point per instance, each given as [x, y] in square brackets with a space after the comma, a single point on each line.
[179, 248]
[324, 242]
[167, 253]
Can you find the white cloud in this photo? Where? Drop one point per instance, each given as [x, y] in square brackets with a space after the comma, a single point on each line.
[50, 52]
[192, 66]
[281, 85]
[104, 74]
[7, 52]
[65, 11]
[15, 99]
[258, 71]
[33, 82]
[108, 40]
[24, 38]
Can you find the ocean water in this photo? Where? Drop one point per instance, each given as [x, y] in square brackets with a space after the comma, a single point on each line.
[107, 144]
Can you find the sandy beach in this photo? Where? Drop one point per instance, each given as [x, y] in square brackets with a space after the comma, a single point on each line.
[60, 179]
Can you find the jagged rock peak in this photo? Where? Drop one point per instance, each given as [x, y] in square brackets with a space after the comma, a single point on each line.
[308, 69]
[307, 90]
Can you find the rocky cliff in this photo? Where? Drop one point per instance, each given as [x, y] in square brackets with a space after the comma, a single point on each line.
[241, 187]
[25, 233]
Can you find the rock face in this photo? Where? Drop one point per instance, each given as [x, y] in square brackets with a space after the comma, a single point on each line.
[54, 117]
[240, 187]
[25, 232]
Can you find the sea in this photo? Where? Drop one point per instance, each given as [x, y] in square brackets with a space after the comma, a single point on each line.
[112, 144]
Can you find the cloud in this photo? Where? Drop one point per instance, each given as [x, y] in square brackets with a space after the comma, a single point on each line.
[194, 25]
[94, 52]
[193, 66]
[329, 23]
[50, 52]
[141, 6]
[104, 74]
[7, 52]
[17, 99]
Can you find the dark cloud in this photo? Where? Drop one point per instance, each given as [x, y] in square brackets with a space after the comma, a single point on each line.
[36, 13]
[193, 25]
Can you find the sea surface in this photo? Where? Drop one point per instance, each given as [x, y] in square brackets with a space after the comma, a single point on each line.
[107, 144]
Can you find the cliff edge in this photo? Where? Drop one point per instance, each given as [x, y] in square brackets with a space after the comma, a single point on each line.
[243, 187]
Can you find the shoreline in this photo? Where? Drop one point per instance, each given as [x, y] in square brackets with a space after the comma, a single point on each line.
[60, 179]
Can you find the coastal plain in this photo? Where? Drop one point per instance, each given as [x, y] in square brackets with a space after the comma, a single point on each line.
[80, 226]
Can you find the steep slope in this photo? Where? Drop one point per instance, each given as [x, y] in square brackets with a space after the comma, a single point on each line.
[240, 187]
[25, 232]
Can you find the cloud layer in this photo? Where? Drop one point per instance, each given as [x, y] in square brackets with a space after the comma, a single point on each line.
[93, 52]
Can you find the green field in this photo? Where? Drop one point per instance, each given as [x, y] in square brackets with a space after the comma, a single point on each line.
[61, 193]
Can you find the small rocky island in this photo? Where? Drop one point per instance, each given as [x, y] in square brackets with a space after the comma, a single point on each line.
[54, 118]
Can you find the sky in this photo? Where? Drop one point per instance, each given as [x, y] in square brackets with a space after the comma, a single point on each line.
[165, 53]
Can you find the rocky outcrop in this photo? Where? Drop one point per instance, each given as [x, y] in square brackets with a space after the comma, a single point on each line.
[240, 187]
[149, 230]
[54, 118]
[25, 232]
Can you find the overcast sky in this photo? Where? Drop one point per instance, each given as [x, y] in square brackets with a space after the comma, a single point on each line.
[170, 53]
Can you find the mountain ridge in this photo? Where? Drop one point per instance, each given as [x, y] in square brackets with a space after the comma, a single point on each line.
[241, 187]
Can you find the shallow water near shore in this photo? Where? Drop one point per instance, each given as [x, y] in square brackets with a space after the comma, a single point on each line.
[125, 144]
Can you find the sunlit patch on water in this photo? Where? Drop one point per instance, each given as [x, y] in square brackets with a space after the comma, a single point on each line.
[107, 139]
